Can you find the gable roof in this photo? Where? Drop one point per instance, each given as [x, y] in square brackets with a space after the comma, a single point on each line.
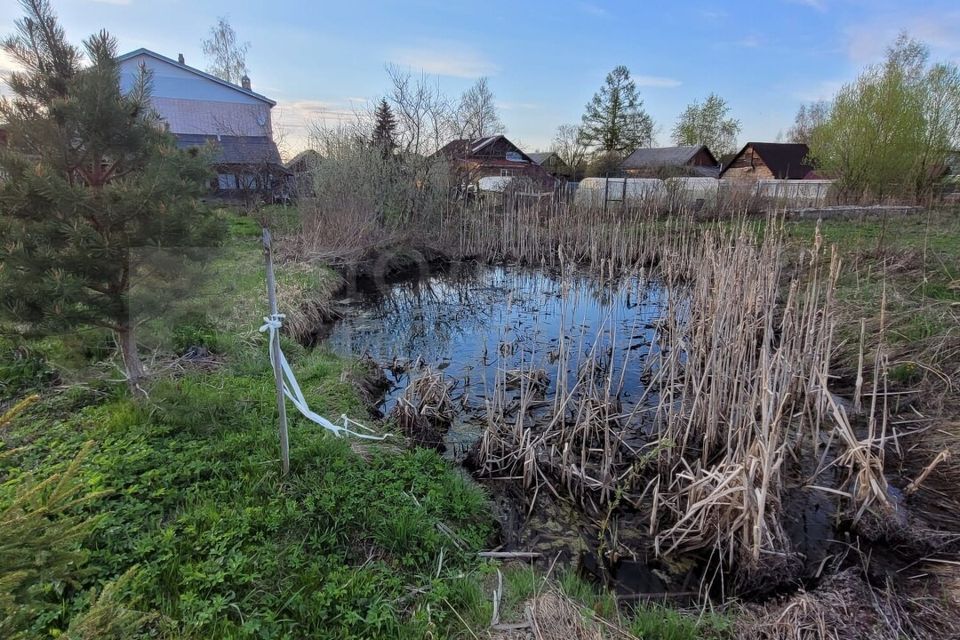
[202, 74]
[663, 157]
[542, 156]
[306, 159]
[465, 147]
[786, 160]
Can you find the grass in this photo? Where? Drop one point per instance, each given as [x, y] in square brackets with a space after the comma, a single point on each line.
[913, 264]
[658, 622]
[198, 530]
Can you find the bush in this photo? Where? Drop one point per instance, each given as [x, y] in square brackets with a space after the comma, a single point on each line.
[22, 370]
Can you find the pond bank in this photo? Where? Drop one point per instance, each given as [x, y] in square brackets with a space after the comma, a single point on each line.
[481, 322]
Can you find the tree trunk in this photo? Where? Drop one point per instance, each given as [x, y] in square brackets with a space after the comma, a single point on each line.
[127, 336]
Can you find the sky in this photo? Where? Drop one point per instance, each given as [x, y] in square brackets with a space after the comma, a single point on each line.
[321, 60]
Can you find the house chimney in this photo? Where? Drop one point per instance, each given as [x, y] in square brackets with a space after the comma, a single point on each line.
[245, 82]
[180, 58]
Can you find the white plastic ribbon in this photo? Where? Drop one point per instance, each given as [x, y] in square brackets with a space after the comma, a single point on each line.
[291, 389]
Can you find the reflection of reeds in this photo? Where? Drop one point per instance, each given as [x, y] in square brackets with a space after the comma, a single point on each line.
[737, 392]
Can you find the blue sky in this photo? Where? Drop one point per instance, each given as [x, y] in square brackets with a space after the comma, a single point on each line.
[544, 59]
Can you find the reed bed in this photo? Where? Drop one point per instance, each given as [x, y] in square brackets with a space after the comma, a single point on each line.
[614, 240]
[425, 410]
[737, 405]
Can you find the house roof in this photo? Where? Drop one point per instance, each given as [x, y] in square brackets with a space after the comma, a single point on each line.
[237, 150]
[542, 156]
[663, 157]
[202, 74]
[305, 159]
[786, 160]
[465, 147]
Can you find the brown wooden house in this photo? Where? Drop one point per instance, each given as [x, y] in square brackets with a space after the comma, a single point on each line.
[494, 156]
[770, 161]
[663, 162]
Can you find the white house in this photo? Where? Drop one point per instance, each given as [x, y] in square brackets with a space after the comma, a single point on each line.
[199, 108]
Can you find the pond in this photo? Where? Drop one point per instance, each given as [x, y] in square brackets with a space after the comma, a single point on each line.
[472, 321]
[479, 325]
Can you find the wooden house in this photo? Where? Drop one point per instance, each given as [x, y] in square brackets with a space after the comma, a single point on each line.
[770, 161]
[200, 109]
[303, 168]
[553, 164]
[665, 162]
[494, 156]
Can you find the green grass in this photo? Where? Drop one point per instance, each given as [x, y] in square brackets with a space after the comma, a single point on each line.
[213, 542]
[226, 548]
[914, 262]
[658, 622]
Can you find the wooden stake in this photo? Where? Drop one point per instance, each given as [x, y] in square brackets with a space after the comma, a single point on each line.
[275, 349]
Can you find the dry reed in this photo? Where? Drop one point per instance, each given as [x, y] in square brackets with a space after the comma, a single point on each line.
[737, 388]
[425, 410]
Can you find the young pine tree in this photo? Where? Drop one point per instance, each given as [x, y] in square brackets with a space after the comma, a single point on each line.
[88, 178]
[384, 128]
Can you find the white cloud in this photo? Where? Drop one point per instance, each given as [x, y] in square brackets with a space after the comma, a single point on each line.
[445, 59]
[749, 42]
[867, 41]
[294, 120]
[7, 64]
[656, 81]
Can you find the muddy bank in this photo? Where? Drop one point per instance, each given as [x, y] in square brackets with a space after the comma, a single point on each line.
[380, 267]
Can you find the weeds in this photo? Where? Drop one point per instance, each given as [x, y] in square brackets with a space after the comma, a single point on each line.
[344, 547]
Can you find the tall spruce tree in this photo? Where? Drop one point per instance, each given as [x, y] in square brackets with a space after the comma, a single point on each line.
[614, 120]
[89, 178]
[384, 128]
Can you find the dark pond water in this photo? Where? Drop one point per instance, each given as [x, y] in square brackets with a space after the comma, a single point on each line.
[472, 321]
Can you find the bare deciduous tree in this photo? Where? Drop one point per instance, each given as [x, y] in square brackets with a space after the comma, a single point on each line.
[421, 109]
[476, 115]
[568, 144]
[227, 56]
[809, 117]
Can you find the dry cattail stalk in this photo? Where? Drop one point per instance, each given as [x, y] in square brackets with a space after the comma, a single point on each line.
[736, 383]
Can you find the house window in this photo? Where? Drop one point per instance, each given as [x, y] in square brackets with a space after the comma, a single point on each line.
[505, 173]
[226, 181]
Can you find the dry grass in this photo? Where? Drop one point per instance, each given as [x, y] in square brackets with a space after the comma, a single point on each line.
[425, 410]
[740, 379]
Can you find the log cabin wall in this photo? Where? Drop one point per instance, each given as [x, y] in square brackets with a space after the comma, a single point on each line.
[748, 166]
